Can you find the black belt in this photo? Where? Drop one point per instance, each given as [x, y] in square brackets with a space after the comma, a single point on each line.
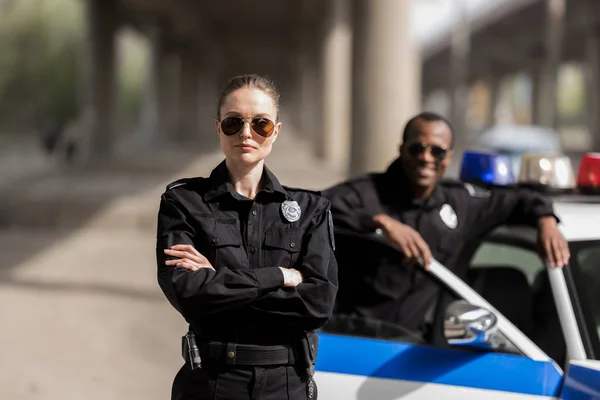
[245, 354]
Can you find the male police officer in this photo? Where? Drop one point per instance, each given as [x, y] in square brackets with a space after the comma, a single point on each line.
[424, 218]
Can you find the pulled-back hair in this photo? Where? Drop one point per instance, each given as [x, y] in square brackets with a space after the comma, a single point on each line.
[252, 81]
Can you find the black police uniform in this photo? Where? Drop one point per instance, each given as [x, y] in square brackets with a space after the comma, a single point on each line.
[251, 332]
[377, 288]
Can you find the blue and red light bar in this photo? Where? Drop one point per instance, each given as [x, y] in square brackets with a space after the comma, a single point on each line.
[487, 169]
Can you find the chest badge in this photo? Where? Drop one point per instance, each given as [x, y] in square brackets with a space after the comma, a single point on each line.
[449, 216]
[291, 210]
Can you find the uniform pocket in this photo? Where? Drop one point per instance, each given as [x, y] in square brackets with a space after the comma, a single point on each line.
[281, 247]
[221, 242]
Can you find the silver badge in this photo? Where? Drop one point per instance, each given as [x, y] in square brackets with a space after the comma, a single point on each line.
[449, 216]
[291, 210]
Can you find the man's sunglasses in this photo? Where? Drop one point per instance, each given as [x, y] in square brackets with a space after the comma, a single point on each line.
[415, 149]
[261, 126]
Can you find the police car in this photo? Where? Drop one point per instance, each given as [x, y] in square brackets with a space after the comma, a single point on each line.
[514, 328]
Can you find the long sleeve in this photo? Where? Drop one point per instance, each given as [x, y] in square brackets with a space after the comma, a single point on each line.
[309, 305]
[507, 206]
[204, 292]
[350, 208]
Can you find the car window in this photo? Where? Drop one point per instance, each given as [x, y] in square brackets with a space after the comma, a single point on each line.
[513, 279]
[589, 264]
[499, 254]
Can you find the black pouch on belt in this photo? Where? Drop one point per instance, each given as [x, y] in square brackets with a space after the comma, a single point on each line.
[306, 354]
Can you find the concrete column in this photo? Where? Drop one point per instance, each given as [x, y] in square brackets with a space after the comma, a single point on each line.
[189, 100]
[100, 99]
[493, 84]
[152, 121]
[592, 75]
[386, 82]
[160, 114]
[310, 94]
[208, 89]
[337, 85]
[546, 107]
[459, 76]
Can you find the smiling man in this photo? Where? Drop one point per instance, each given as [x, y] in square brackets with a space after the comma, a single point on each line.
[424, 217]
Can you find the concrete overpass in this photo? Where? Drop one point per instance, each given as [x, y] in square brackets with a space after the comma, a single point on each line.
[512, 36]
[348, 84]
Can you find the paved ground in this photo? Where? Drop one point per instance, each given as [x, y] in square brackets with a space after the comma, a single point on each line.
[82, 316]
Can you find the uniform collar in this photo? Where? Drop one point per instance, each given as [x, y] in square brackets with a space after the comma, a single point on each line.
[220, 184]
[396, 178]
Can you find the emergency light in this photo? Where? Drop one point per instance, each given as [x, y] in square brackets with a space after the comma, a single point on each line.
[553, 173]
[588, 178]
[486, 169]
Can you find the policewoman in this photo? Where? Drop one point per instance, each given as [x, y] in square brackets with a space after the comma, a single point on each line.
[247, 262]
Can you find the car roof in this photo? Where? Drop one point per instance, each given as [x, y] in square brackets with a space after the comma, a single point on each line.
[579, 220]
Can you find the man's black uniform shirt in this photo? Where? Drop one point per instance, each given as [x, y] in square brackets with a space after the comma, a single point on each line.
[377, 285]
[246, 241]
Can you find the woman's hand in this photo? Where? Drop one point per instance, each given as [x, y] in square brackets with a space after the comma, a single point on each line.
[291, 277]
[188, 257]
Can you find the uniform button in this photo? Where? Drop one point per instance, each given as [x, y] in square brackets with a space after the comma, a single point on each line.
[215, 240]
[252, 249]
[292, 245]
[253, 212]
[230, 354]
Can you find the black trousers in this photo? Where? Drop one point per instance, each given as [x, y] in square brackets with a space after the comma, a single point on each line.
[241, 383]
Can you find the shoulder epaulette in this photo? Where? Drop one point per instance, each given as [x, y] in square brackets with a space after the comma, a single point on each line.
[295, 189]
[181, 182]
[477, 191]
[474, 190]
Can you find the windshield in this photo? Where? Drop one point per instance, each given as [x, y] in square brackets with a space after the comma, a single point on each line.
[585, 262]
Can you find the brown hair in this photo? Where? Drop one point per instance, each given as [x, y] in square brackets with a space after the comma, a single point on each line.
[252, 81]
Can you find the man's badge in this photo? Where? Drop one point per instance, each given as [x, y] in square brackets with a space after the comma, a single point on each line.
[291, 210]
[449, 216]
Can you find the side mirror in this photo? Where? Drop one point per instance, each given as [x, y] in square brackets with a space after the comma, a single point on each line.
[466, 325]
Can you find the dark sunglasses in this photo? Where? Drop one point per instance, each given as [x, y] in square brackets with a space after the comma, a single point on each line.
[261, 126]
[415, 149]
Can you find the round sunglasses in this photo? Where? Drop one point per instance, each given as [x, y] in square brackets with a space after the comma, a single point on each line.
[261, 126]
[415, 149]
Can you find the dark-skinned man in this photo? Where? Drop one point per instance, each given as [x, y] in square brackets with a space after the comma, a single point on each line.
[424, 217]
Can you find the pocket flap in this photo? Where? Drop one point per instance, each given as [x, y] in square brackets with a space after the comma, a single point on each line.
[286, 239]
[224, 235]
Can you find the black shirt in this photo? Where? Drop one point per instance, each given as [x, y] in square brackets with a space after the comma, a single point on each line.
[246, 241]
[377, 285]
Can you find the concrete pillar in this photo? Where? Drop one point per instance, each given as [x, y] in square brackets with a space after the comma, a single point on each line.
[310, 111]
[334, 140]
[151, 124]
[100, 98]
[159, 117]
[493, 84]
[459, 76]
[189, 100]
[592, 75]
[386, 82]
[546, 107]
[208, 89]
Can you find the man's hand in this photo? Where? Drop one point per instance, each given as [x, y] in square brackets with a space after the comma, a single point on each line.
[188, 257]
[291, 277]
[405, 238]
[551, 244]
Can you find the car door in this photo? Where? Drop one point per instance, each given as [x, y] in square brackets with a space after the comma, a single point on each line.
[582, 380]
[355, 363]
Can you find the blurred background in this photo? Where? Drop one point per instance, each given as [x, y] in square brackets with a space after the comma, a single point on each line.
[104, 102]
